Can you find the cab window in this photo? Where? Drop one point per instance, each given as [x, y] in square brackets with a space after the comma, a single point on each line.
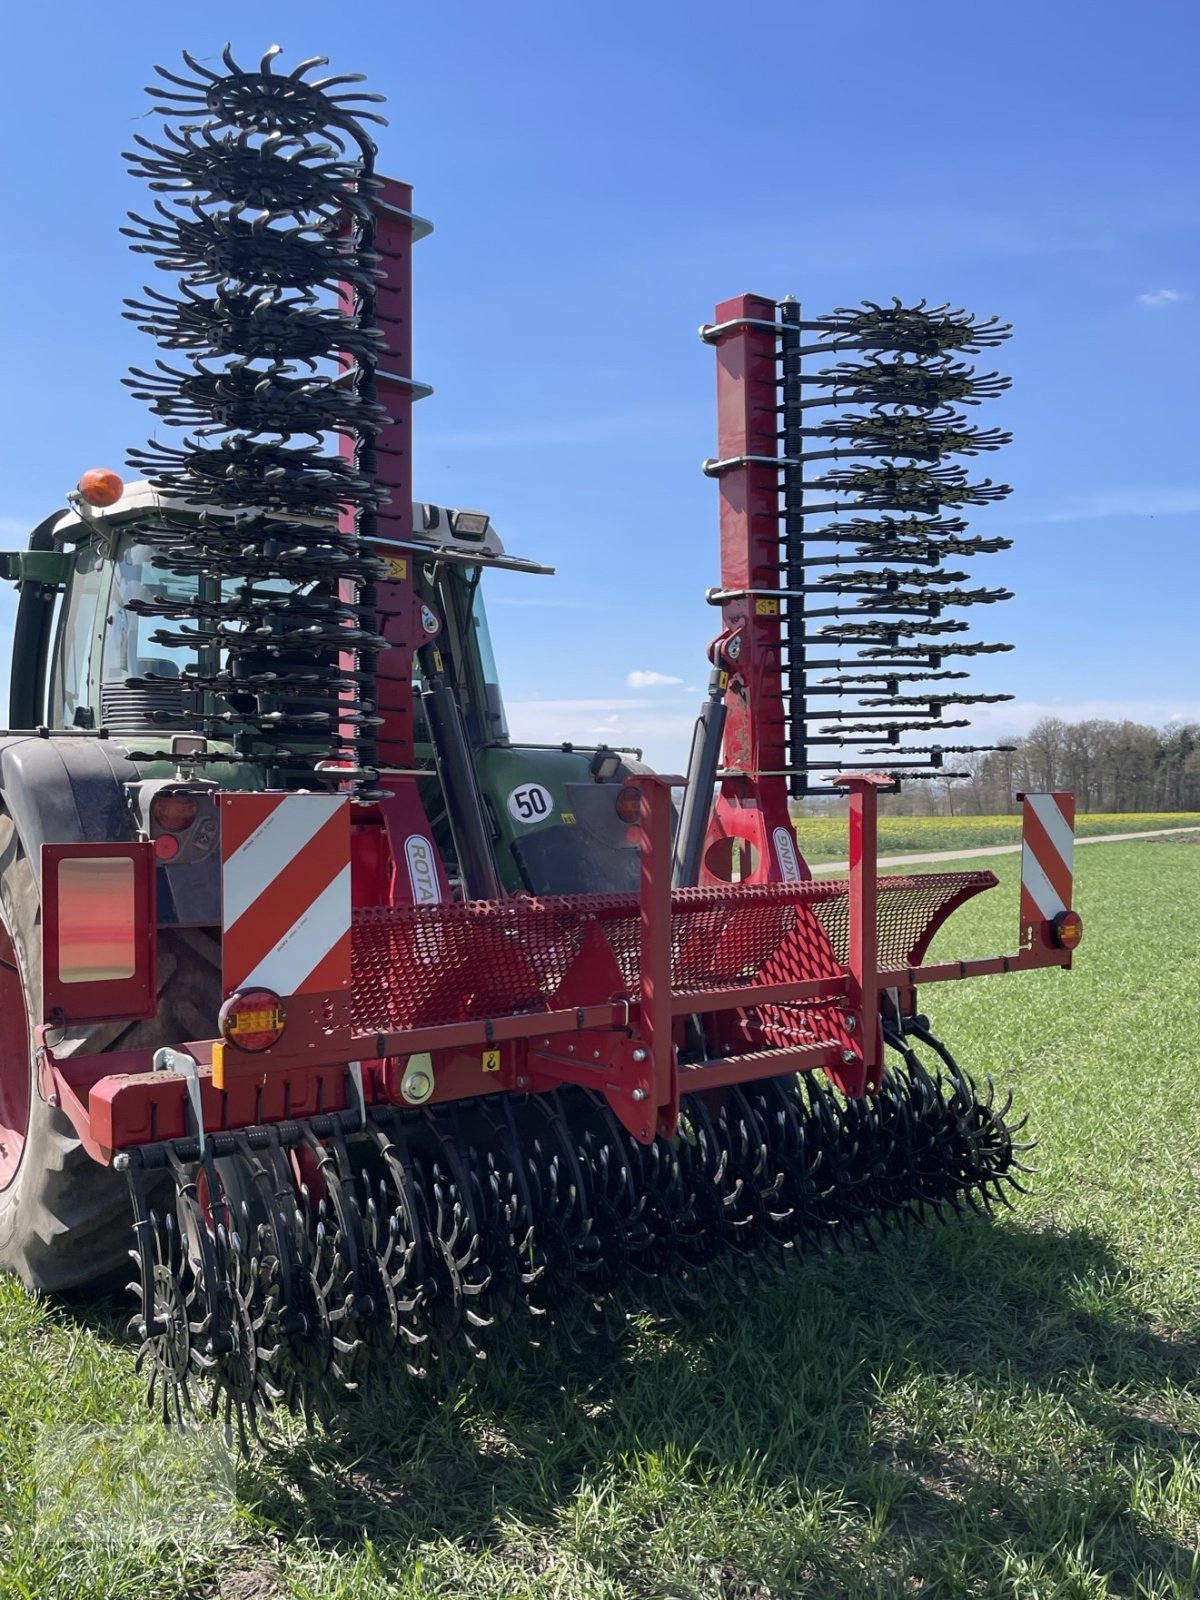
[72, 698]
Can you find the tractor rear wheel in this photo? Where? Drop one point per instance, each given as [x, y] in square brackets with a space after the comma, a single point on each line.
[64, 1218]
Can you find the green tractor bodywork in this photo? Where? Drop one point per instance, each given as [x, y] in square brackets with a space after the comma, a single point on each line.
[86, 661]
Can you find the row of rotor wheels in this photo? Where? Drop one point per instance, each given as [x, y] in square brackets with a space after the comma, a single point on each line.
[287, 1276]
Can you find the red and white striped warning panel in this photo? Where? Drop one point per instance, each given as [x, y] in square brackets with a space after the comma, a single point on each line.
[1047, 856]
[285, 892]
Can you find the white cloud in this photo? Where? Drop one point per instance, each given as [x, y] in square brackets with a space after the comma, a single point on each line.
[1163, 297]
[651, 680]
[663, 732]
[1018, 716]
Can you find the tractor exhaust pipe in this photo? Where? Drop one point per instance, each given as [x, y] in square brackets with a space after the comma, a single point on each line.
[703, 761]
[460, 789]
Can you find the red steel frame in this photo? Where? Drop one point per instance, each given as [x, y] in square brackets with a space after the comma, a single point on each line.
[625, 1049]
[620, 1037]
[397, 229]
[753, 803]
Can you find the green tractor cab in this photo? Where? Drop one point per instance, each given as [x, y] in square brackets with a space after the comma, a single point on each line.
[92, 658]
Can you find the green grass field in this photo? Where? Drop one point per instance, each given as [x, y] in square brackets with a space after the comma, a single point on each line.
[824, 838]
[1006, 1409]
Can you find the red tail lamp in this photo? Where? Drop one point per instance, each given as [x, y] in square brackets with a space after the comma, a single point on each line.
[1067, 929]
[174, 813]
[100, 487]
[629, 805]
[252, 1019]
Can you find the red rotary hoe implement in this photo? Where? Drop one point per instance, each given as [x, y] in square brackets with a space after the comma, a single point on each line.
[408, 1041]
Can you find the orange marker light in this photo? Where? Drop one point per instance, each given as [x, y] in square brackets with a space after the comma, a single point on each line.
[1067, 929]
[100, 487]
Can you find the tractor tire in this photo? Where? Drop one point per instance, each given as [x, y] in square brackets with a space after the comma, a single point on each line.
[65, 1220]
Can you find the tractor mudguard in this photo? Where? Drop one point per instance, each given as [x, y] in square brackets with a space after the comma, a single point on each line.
[557, 828]
[65, 790]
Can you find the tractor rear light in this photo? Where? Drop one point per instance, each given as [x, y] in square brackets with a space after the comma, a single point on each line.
[469, 524]
[1067, 929]
[100, 487]
[174, 813]
[629, 805]
[252, 1019]
[166, 847]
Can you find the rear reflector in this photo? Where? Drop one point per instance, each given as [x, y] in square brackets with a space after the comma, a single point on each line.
[96, 915]
[166, 847]
[98, 932]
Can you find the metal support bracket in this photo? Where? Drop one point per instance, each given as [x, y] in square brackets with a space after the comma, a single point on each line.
[168, 1060]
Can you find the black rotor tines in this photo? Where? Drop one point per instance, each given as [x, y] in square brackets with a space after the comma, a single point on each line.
[219, 245]
[268, 225]
[924, 386]
[247, 472]
[867, 521]
[883, 530]
[278, 173]
[916, 330]
[927, 436]
[255, 324]
[271, 102]
[250, 400]
[931, 653]
[894, 488]
[419, 1244]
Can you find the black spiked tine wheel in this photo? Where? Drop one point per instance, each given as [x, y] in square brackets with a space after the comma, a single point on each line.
[285, 1279]
[263, 220]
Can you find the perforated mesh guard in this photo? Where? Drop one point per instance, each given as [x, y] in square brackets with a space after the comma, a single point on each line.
[911, 910]
[426, 966]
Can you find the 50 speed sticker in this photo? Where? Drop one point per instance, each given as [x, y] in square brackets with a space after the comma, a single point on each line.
[530, 803]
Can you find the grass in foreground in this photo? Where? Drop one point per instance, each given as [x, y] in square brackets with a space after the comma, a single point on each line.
[825, 838]
[1005, 1410]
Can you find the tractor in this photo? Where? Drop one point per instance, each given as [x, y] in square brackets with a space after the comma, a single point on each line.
[380, 1040]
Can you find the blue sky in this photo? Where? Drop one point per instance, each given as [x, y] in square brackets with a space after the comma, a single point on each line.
[600, 176]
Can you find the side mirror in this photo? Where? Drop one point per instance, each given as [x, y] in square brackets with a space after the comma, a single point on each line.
[51, 567]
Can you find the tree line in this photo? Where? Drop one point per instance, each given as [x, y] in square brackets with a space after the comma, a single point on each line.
[1109, 766]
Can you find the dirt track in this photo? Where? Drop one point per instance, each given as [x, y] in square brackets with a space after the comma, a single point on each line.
[994, 850]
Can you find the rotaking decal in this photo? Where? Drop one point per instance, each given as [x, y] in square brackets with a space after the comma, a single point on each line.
[785, 849]
[422, 870]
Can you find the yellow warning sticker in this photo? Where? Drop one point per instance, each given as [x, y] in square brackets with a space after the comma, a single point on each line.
[722, 680]
[491, 1061]
[567, 816]
[397, 567]
[766, 608]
